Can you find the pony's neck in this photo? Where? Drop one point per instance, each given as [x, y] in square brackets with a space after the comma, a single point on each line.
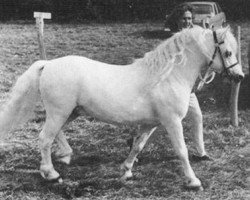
[181, 58]
[196, 62]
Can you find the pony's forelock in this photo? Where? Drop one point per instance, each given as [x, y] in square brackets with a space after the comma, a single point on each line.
[230, 39]
[225, 34]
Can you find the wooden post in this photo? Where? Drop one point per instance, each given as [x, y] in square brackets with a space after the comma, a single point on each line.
[40, 25]
[235, 87]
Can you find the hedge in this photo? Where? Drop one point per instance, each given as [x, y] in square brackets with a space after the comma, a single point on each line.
[107, 10]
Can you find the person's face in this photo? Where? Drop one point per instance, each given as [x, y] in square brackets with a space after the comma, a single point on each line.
[185, 21]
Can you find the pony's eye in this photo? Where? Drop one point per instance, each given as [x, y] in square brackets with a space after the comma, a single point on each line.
[228, 54]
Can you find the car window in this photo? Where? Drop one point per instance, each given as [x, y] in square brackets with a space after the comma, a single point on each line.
[219, 8]
[203, 9]
[215, 8]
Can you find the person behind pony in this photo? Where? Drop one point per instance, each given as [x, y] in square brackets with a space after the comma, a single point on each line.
[181, 18]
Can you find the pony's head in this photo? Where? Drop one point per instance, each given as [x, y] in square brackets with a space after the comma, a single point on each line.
[222, 53]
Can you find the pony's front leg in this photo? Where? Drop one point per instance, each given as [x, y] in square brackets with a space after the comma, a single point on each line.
[46, 137]
[138, 144]
[175, 130]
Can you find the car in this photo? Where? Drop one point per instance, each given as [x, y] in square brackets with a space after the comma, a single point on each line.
[206, 14]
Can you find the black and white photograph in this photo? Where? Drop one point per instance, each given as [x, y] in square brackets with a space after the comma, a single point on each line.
[124, 100]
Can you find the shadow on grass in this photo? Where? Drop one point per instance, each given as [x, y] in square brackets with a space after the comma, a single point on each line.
[12, 182]
[89, 160]
[93, 176]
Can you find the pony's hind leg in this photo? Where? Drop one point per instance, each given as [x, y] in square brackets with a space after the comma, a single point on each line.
[64, 151]
[51, 128]
[138, 144]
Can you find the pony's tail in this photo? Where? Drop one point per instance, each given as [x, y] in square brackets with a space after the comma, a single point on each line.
[22, 101]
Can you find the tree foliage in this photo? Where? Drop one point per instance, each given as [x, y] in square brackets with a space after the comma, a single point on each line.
[107, 10]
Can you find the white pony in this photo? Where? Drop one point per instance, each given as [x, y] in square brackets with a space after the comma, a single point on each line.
[151, 91]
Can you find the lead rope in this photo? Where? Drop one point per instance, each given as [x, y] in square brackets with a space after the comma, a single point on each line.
[210, 74]
[208, 78]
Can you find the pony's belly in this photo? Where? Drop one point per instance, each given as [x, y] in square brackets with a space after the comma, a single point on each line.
[119, 116]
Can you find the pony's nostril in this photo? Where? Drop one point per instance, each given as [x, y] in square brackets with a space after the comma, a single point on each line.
[240, 77]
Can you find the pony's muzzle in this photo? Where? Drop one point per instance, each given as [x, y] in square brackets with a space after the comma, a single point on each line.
[237, 77]
[235, 73]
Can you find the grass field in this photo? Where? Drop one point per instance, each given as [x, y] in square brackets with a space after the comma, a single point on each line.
[99, 148]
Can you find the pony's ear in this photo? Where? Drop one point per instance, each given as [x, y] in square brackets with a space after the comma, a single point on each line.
[205, 24]
[226, 29]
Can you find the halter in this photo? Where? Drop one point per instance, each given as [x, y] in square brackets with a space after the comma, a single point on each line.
[217, 48]
[211, 74]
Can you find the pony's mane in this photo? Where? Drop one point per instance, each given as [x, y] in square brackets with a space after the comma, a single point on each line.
[159, 63]
[162, 59]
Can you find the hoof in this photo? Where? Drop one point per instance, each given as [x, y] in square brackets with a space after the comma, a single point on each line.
[201, 158]
[51, 180]
[127, 175]
[50, 175]
[127, 172]
[194, 184]
[66, 159]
